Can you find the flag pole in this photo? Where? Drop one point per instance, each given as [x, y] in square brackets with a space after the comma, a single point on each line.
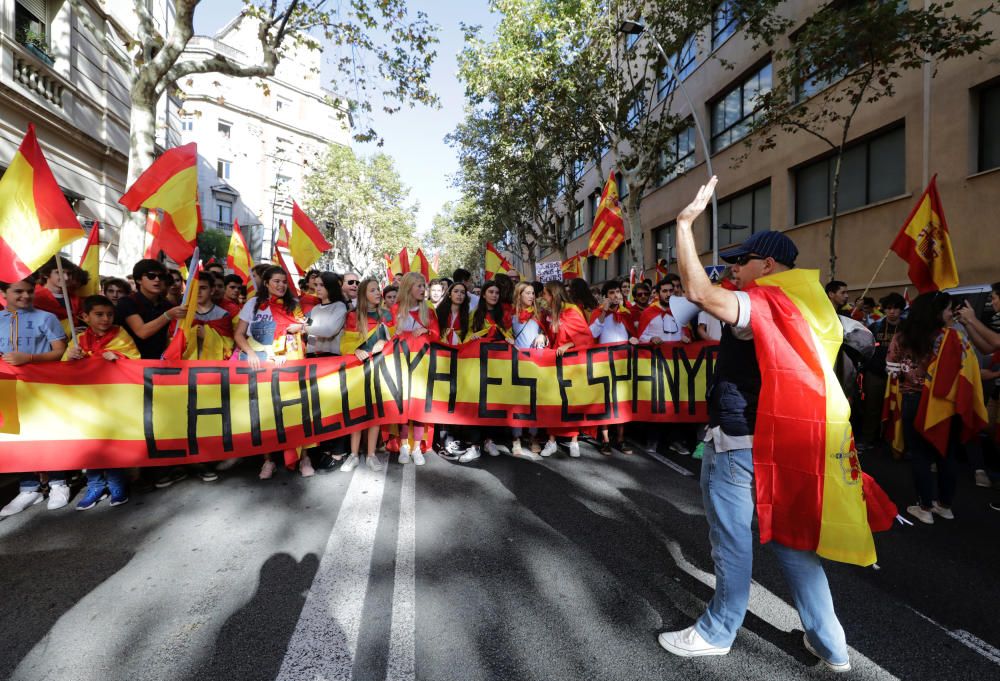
[65, 292]
[872, 280]
[186, 298]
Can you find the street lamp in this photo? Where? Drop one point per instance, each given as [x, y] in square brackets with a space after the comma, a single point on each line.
[636, 28]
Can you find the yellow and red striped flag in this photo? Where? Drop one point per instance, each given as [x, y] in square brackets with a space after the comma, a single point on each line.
[608, 232]
[424, 265]
[924, 244]
[496, 263]
[306, 243]
[661, 270]
[238, 258]
[171, 184]
[90, 262]
[36, 221]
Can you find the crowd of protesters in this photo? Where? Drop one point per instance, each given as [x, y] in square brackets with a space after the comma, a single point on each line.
[340, 314]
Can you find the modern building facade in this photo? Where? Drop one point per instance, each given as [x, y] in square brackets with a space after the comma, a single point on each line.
[61, 71]
[256, 137]
[948, 125]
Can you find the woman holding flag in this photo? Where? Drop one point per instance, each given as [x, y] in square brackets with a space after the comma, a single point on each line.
[270, 328]
[528, 332]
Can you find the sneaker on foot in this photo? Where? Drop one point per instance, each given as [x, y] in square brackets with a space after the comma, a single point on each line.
[471, 454]
[58, 496]
[490, 448]
[91, 498]
[452, 450]
[623, 447]
[550, 448]
[306, 467]
[418, 458]
[22, 501]
[680, 449]
[171, 476]
[535, 446]
[839, 667]
[946, 513]
[574, 449]
[375, 463]
[207, 474]
[605, 448]
[982, 479]
[995, 505]
[267, 470]
[921, 514]
[119, 496]
[515, 448]
[404, 453]
[350, 463]
[689, 643]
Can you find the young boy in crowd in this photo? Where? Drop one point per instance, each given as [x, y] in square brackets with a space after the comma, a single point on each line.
[27, 336]
[231, 298]
[115, 289]
[102, 339]
[213, 325]
[49, 290]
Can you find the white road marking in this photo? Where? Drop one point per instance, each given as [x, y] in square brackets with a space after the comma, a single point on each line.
[670, 464]
[325, 640]
[968, 640]
[401, 665]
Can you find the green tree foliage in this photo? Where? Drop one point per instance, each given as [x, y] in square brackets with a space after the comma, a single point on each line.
[362, 206]
[458, 235]
[852, 54]
[213, 243]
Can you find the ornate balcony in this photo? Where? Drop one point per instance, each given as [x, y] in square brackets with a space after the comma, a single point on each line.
[33, 74]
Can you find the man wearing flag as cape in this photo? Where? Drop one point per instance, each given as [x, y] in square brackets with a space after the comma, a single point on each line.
[779, 439]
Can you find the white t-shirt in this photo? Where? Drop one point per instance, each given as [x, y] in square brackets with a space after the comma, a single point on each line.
[712, 325]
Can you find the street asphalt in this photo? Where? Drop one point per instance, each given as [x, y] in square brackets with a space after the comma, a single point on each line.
[501, 569]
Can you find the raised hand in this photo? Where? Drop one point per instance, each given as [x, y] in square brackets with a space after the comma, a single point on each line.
[697, 207]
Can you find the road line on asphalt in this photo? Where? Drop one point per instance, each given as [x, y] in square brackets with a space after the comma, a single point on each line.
[325, 640]
[967, 639]
[670, 464]
[401, 665]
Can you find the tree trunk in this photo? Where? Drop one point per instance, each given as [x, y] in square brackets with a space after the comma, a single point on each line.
[633, 230]
[833, 213]
[142, 152]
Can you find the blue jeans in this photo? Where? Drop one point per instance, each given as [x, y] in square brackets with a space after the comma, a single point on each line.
[922, 455]
[30, 482]
[114, 478]
[727, 490]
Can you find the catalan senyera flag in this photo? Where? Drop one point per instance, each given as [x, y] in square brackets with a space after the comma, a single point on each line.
[90, 262]
[608, 232]
[954, 387]
[572, 267]
[924, 244]
[388, 268]
[306, 243]
[36, 221]
[496, 263]
[171, 184]
[238, 258]
[808, 478]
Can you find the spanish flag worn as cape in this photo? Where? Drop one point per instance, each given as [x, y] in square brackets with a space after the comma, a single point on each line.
[36, 221]
[954, 387]
[116, 340]
[809, 482]
[892, 414]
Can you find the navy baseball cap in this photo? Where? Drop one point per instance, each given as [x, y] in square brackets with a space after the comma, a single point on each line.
[768, 244]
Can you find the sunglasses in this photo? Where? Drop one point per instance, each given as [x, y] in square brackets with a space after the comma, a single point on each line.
[744, 259]
[163, 276]
[351, 282]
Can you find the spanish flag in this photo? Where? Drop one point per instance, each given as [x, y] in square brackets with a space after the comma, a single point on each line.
[289, 275]
[924, 244]
[954, 387]
[892, 414]
[806, 470]
[238, 258]
[423, 265]
[306, 243]
[661, 270]
[181, 330]
[572, 267]
[389, 274]
[608, 232]
[90, 262]
[171, 184]
[403, 263]
[36, 221]
[496, 263]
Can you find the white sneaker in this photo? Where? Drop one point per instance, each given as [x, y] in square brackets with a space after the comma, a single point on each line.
[982, 479]
[518, 452]
[375, 464]
[306, 467]
[350, 463]
[490, 447]
[22, 501]
[58, 495]
[515, 448]
[920, 514]
[689, 643]
[838, 667]
[550, 448]
[267, 470]
[452, 450]
[574, 450]
[418, 457]
[404, 453]
[946, 513]
[471, 454]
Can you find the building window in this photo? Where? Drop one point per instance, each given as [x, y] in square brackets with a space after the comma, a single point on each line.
[725, 21]
[678, 157]
[579, 224]
[989, 128]
[225, 212]
[225, 129]
[622, 256]
[684, 63]
[283, 183]
[622, 185]
[579, 167]
[733, 114]
[282, 103]
[31, 24]
[597, 268]
[222, 168]
[872, 170]
[663, 243]
[187, 122]
[744, 214]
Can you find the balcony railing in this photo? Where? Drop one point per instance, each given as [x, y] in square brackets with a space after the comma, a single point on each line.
[38, 77]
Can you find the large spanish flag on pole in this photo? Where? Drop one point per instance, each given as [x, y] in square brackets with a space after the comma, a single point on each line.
[924, 244]
[90, 262]
[496, 263]
[36, 221]
[808, 478]
[171, 184]
[608, 232]
[306, 243]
